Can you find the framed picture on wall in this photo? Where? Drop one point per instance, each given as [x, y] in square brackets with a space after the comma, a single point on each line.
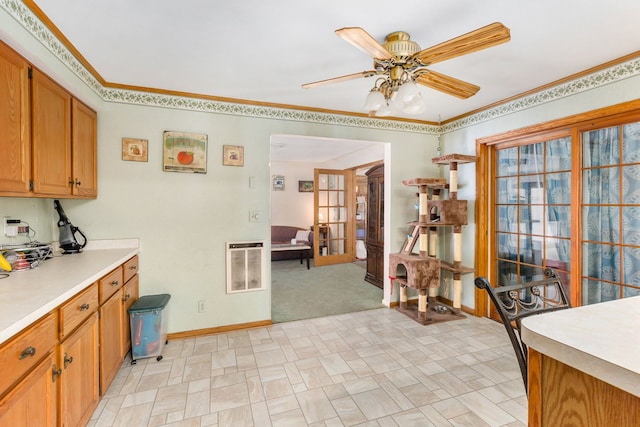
[305, 186]
[135, 150]
[184, 152]
[278, 182]
[233, 155]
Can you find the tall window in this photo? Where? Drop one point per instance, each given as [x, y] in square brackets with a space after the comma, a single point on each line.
[611, 213]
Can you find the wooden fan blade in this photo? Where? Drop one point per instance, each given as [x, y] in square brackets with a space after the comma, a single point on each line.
[479, 39]
[339, 79]
[363, 41]
[447, 84]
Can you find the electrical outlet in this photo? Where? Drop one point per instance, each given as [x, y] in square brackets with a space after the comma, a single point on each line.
[10, 227]
[202, 306]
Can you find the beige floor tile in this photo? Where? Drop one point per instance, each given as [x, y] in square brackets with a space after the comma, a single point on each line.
[376, 404]
[282, 404]
[376, 368]
[315, 406]
[348, 411]
[229, 397]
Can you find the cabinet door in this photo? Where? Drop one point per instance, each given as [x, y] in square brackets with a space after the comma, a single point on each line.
[110, 340]
[84, 150]
[32, 402]
[79, 387]
[15, 143]
[51, 133]
[129, 296]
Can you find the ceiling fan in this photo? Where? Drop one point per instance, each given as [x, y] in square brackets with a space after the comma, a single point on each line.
[399, 63]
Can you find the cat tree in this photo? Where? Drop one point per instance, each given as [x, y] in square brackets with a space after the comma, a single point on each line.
[422, 271]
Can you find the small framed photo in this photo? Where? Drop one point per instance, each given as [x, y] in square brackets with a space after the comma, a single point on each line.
[305, 186]
[184, 152]
[278, 182]
[135, 150]
[233, 155]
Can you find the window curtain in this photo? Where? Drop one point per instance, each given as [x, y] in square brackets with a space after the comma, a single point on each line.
[601, 215]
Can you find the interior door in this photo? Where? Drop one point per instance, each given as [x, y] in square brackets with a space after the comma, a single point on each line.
[334, 226]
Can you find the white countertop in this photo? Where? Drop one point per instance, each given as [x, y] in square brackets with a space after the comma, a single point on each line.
[25, 296]
[602, 340]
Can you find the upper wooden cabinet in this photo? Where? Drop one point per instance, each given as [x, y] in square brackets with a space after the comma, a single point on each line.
[50, 137]
[51, 133]
[84, 145]
[15, 170]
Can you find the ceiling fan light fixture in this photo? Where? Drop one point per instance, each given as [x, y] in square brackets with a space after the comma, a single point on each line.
[415, 106]
[408, 91]
[375, 100]
[385, 110]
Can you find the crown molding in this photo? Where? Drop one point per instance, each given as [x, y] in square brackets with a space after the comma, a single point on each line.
[32, 23]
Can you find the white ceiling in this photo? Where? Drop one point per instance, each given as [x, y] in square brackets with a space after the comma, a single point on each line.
[263, 50]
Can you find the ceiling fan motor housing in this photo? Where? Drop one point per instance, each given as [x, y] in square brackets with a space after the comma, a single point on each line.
[403, 50]
[399, 45]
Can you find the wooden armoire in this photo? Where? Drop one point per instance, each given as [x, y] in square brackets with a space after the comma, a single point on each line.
[375, 226]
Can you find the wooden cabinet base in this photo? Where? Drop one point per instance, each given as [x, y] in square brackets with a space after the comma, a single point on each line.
[79, 380]
[561, 395]
[33, 401]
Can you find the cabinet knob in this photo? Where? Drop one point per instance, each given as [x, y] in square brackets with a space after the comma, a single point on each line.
[67, 360]
[133, 267]
[27, 352]
[126, 297]
[84, 307]
[55, 373]
[70, 182]
[78, 183]
[115, 283]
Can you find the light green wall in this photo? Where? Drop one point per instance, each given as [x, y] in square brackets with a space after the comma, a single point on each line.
[184, 220]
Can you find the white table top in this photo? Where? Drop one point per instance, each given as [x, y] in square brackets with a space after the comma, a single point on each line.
[27, 295]
[602, 340]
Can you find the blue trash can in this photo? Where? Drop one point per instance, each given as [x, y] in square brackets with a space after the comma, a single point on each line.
[148, 326]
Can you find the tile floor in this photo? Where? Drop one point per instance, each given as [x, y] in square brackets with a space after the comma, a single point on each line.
[370, 368]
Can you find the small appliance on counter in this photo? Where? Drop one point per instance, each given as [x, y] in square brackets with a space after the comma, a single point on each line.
[68, 242]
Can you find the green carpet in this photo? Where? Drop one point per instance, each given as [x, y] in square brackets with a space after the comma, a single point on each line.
[298, 293]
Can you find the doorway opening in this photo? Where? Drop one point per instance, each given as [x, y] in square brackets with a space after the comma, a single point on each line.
[301, 162]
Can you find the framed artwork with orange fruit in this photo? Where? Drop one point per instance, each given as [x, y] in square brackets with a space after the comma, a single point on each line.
[184, 152]
[135, 150]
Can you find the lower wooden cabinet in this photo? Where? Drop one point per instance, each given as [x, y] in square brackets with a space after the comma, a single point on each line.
[32, 402]
[55, 370]
[375, 265]
[115, 336]
[110, 340]
[79, 381]
[129, 296]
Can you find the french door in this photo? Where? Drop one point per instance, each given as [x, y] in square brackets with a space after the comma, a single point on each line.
[567, 199]
[334, 217]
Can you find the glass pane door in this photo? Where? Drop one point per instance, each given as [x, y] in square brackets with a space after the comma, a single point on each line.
[533, 211]
[333, 224]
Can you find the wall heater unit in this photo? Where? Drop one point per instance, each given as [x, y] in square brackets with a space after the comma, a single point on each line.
[245, 266]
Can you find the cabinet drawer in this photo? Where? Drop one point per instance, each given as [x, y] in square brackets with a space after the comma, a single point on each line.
[109, 284]
[77, 309]
[130, 268]
[23, 352]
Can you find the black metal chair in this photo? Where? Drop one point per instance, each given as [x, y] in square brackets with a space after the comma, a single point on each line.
[515, 302]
